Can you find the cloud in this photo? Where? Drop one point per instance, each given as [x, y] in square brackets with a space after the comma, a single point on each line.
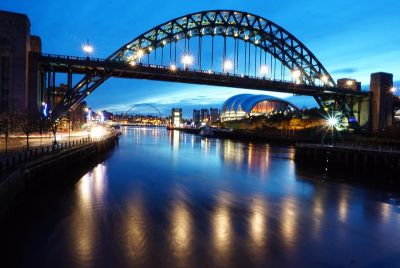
[349, 70]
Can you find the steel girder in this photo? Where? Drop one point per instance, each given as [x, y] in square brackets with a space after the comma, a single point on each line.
[343, 103]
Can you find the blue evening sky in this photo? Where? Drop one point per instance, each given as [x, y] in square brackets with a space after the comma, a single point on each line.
[351, 39]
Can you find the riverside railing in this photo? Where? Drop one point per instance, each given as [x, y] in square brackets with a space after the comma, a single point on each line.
[18, 159]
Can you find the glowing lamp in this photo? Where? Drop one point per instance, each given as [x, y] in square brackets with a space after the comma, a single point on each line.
[187, 60]
[333, 121]
[264, 70]
[228, 65]
[296, 74]
[139, 54]
[325, 79]
[172, 67]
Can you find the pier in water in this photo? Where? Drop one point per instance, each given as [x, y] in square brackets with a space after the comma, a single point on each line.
[169, 199]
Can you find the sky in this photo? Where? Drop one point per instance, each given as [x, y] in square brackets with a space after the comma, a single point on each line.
[352, 39]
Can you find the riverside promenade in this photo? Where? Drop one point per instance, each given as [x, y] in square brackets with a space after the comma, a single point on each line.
[25, 171]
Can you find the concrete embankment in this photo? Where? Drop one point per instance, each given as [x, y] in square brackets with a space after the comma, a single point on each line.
[377, 166]
[20, 178]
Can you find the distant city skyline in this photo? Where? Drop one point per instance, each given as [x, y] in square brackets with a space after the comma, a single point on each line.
[351, 39]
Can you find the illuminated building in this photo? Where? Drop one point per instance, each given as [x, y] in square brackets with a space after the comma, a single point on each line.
[176, 117]
[245, 105]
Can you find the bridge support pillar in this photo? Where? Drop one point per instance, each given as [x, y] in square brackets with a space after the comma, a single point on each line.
[381, 101]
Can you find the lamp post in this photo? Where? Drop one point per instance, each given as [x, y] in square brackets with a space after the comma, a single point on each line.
[228, 65]
[88, 49]
[263, 70]
[187, 60]
[332, 122]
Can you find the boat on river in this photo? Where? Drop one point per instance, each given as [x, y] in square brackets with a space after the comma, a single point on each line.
[209, 131]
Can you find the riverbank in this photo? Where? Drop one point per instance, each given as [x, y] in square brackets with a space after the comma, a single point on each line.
[375, 166]
[25, 174]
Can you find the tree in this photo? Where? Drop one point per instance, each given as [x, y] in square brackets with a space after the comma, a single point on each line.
[27, 123]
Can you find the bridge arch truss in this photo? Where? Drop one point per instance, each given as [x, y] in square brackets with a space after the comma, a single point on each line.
[248, 30]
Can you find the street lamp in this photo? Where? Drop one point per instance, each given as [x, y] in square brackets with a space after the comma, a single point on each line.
[187, 60]
[228, 65]
[139, 54]
[172, 67]
[296, 75]
[333, 122]
[264, 70]
[88, 49]
[325, 79]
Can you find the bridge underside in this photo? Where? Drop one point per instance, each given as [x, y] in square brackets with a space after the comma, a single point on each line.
[97, 71]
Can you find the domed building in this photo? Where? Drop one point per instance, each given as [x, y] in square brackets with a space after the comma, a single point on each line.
[245, 105]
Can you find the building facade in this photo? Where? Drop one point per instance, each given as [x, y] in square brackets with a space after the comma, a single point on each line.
[176, 117]
[18, 89]
[382, 101]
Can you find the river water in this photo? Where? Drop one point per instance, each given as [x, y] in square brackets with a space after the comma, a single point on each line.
[170, 199]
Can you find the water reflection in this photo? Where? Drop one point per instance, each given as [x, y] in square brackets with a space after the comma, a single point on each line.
[134, 233]
[222, 226]
[258, 225]
[90, 197]
[289, 223]
[233, 153]
[167, 198]
[343, 207]
[181, 234]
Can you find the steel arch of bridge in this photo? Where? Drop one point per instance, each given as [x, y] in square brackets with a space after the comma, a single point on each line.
[144, 104]
[238, 25]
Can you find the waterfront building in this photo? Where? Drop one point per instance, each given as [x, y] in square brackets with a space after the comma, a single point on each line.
[196, 116]
[205, 115]
[176, 117]
[245, 105]
[18, 79]
[214, 115]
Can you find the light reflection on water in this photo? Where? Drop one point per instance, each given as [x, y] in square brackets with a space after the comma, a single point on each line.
[89, 197]
[222, 227]
[165, 198]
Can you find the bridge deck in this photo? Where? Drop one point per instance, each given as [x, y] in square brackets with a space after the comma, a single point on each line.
[103, 67]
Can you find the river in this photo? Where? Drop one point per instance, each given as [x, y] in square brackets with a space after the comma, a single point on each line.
[169, 199]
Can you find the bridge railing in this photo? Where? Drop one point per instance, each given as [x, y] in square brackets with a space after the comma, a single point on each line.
[65, 57]
[163, 67]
